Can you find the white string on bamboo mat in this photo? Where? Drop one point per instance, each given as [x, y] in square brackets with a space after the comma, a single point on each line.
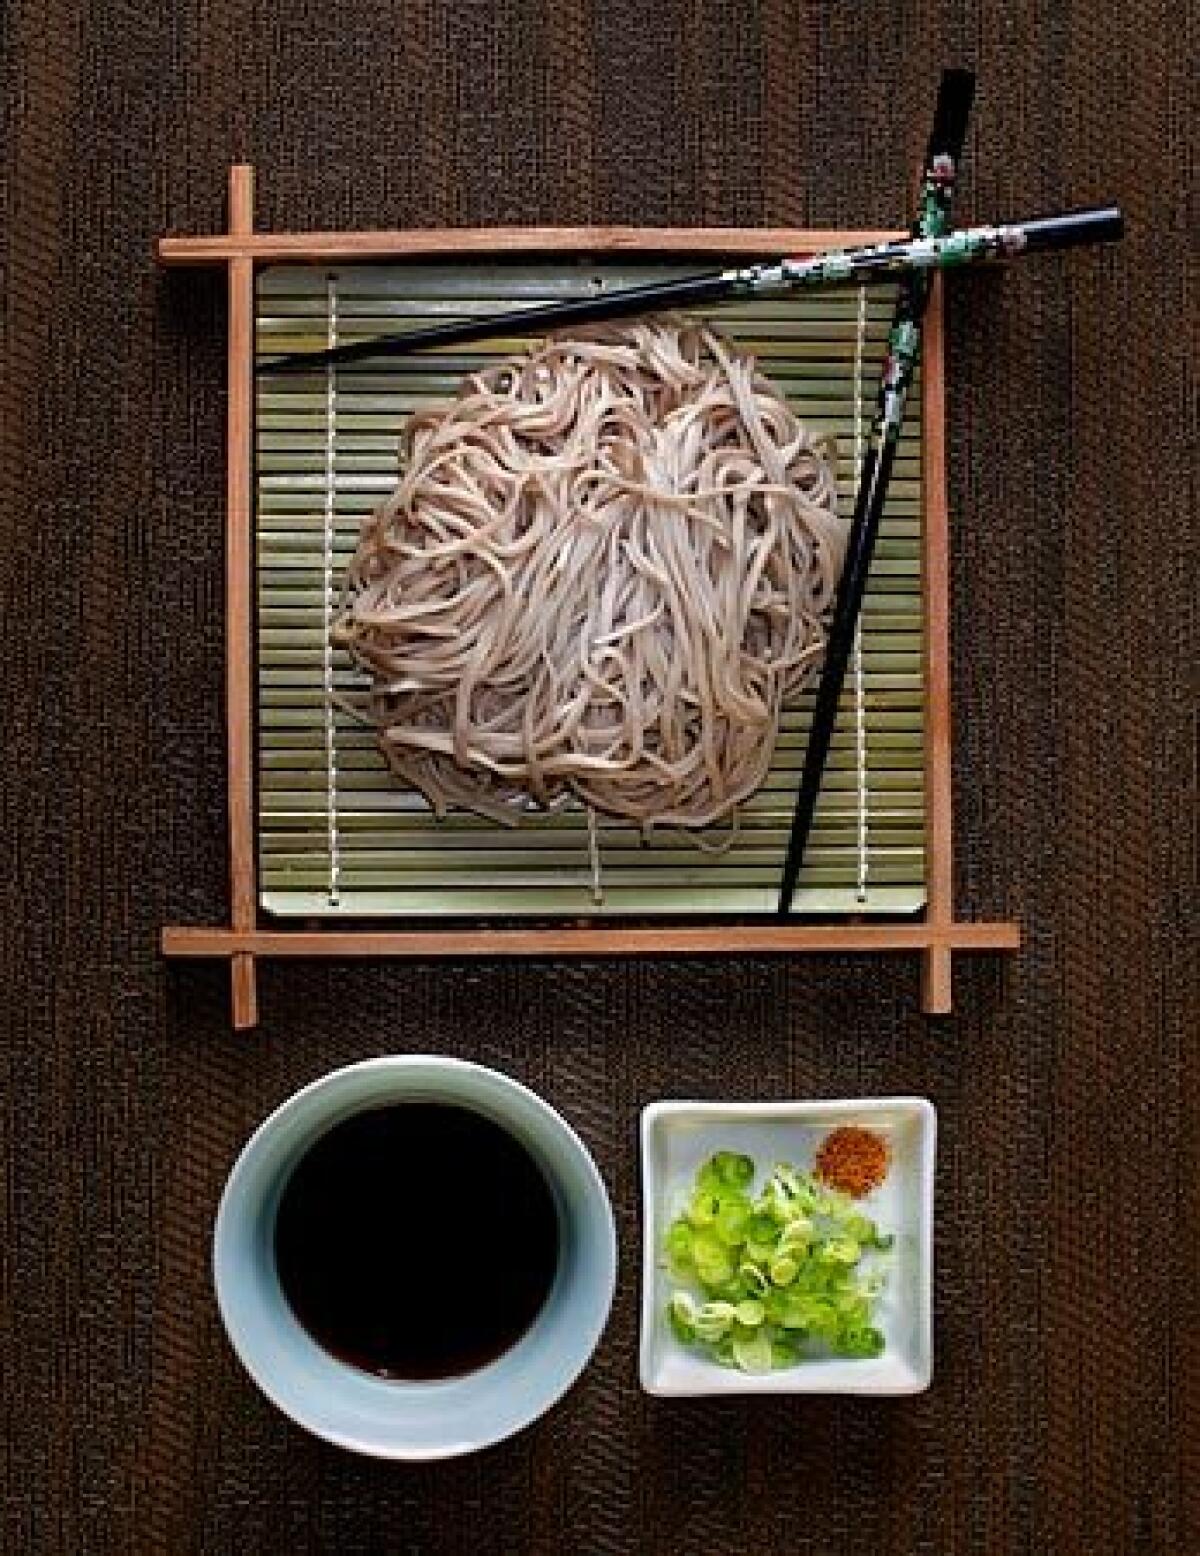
[593, 837]
[327, 555]
[860, 695]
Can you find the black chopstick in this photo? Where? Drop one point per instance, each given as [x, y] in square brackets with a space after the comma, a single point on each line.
[652, 297]
[942, 158]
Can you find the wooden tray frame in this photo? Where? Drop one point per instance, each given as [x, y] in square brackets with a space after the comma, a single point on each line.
[934, 936]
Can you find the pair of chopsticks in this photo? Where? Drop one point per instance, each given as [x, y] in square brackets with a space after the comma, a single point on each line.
[932, 229]
[938, 180]
[931, 246]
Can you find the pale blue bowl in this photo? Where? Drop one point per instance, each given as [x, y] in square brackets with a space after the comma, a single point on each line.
[393, 1420]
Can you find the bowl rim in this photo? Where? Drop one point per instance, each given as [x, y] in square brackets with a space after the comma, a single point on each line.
[398, 1064]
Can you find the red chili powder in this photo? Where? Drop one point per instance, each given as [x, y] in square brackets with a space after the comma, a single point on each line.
[853, 1160]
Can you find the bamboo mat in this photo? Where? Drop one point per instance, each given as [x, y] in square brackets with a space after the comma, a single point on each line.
[339, 836]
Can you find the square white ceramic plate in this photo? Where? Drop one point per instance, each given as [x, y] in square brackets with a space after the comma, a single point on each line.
[677, 1137]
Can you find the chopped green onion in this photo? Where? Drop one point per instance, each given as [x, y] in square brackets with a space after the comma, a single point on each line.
[681, 1310]
[753, 1278]
[714, 1320]
[731, 1220]
[734, 1170]
[703, 1209]
[798, 1233]
[784, 1270]
[679, 1246]
[863, 1342]
[774, 1280]
[752, 1352]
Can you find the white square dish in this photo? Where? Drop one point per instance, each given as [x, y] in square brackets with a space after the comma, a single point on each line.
[678, 1137]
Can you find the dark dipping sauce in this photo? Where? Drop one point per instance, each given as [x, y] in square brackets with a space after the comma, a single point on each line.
[417, 1241]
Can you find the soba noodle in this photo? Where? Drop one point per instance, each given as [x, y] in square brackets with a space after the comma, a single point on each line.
[607, 565]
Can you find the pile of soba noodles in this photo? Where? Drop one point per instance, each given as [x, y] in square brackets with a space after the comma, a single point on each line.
[608, 564]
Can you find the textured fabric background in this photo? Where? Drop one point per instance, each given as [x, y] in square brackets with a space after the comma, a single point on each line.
[1066, 1311]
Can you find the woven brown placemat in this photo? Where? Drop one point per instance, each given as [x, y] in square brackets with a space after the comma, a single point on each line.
[1065, 1306]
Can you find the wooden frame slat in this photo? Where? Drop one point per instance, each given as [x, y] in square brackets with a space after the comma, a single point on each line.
[239, 614]
[323, 247]
[933, 937]
[569, 940]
